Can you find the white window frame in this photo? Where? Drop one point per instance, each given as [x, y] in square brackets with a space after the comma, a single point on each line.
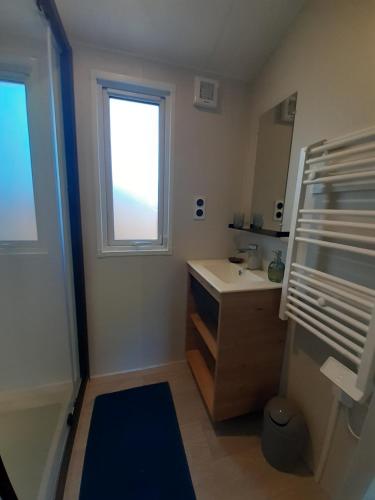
[20, 70]
[105, 86]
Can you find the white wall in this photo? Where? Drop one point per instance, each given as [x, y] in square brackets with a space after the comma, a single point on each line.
[327, 57]
[136, 305]
[360, 481]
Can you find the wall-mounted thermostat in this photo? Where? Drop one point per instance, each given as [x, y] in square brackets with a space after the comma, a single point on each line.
[206, 92]
[278, 210]
[199, 207]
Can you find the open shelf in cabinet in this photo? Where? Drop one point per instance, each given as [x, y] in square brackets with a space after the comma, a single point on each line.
[205, 333]
[202, 376]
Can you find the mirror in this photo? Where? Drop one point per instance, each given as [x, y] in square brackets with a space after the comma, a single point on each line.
[271, 166]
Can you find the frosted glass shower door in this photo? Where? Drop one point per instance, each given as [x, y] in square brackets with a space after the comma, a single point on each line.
[39, 368]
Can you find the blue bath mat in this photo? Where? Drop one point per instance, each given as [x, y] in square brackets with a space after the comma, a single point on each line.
[134, 449]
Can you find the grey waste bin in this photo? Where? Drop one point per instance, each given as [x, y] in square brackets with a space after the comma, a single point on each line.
[284, 433]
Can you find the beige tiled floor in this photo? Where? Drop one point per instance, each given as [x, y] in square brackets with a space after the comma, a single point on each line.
[225, 462]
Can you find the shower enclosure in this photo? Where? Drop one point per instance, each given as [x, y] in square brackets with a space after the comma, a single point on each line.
[43, 343]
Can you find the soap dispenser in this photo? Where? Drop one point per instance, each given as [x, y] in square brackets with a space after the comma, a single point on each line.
[276, 268]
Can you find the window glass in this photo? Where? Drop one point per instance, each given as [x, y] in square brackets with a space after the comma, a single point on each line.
[134, 139]
[17, 206]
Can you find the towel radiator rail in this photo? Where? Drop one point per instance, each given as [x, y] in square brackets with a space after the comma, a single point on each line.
[339, 312]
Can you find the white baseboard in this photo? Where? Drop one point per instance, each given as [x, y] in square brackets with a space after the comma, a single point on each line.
[135, 370]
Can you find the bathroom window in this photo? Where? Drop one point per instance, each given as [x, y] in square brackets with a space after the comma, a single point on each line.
[18, 226]
[134, 124]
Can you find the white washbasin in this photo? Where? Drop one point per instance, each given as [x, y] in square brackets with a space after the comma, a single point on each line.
[225, 277]
[231, 273]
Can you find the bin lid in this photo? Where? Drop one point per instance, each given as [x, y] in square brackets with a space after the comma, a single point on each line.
[281, 410]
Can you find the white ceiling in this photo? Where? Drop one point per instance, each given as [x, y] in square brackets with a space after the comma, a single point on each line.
[232, 38]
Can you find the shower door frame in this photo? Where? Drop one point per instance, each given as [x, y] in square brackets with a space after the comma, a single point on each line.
[49, 9]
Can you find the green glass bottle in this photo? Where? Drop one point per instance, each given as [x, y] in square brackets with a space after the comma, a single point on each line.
[276, 268]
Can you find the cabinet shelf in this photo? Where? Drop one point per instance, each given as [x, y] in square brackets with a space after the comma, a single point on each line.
[202, 376]
[205, 334]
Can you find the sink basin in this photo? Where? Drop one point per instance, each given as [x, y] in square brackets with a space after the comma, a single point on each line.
[231, 273]
[223, 277]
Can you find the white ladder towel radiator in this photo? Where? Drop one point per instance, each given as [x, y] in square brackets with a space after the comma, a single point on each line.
[339, 312]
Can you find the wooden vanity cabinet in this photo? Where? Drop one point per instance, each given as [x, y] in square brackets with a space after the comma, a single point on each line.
[234, 346]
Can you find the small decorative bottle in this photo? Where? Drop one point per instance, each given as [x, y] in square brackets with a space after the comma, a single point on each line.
[276, 268]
